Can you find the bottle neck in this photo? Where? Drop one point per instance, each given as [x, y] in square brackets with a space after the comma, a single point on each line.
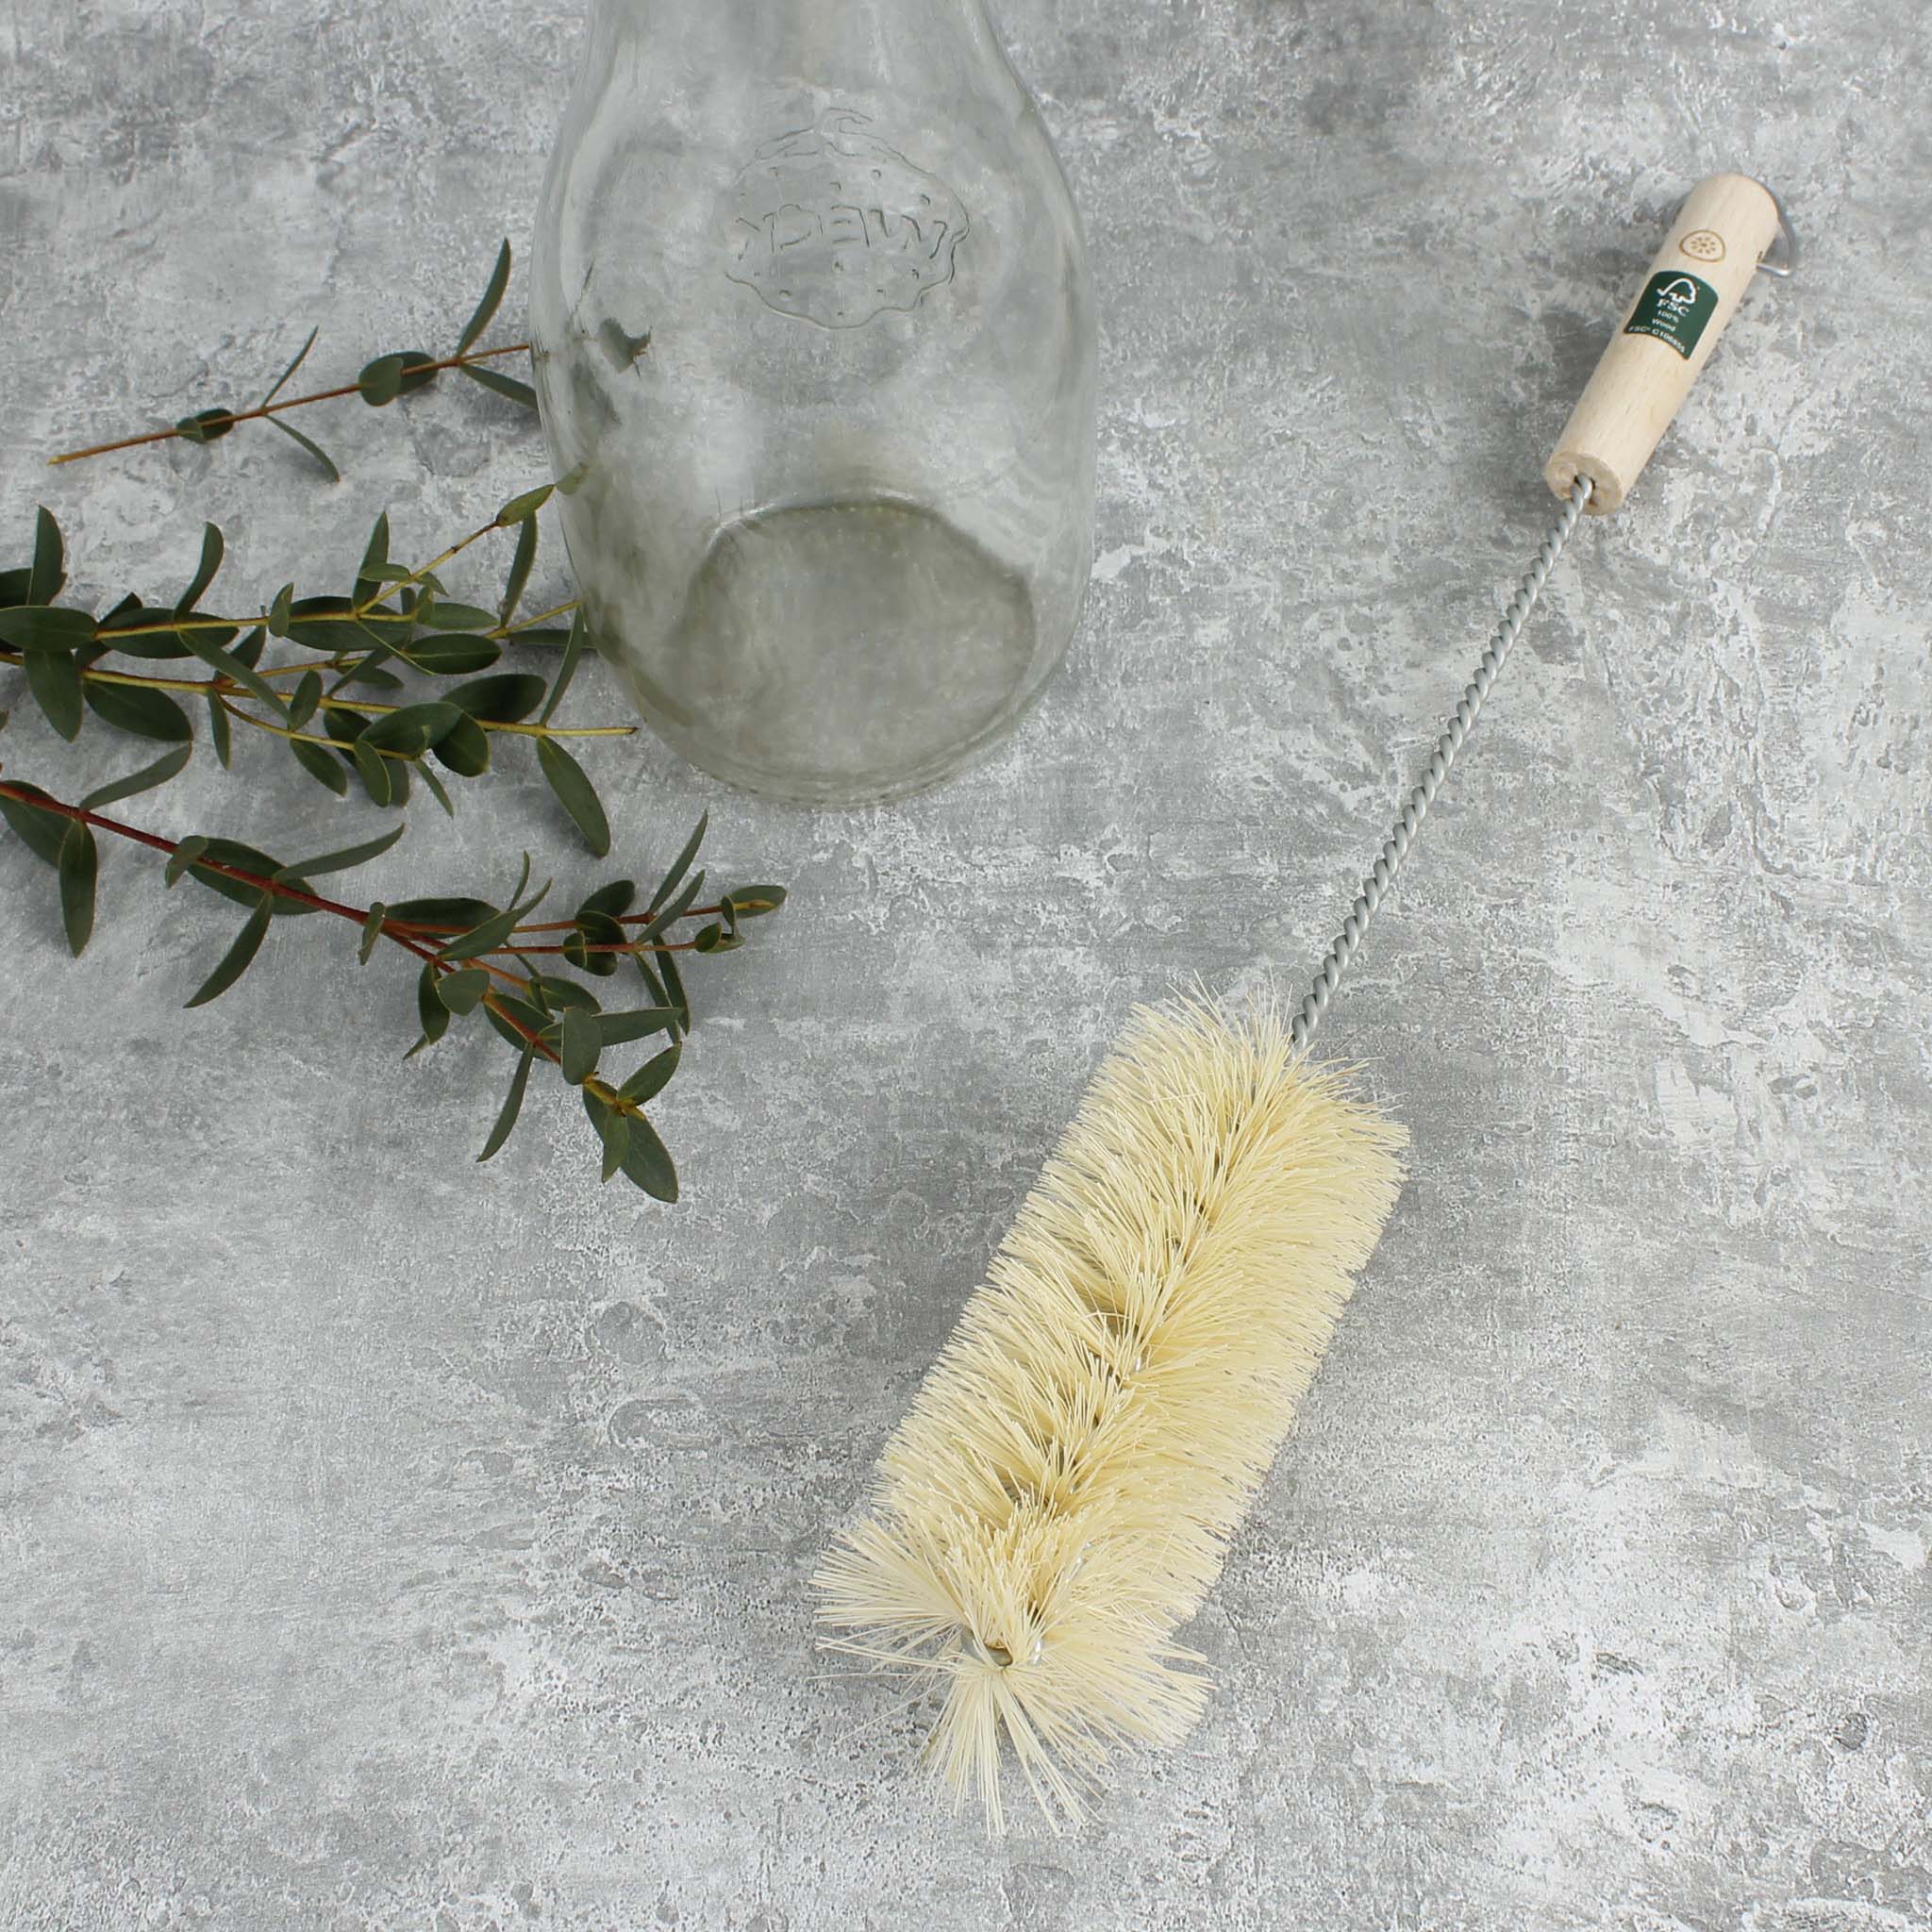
[836, 43]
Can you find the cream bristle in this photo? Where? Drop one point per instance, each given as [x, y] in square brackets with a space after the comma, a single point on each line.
[1057, 1501]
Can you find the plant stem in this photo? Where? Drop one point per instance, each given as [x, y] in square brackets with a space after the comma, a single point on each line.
[321, 395]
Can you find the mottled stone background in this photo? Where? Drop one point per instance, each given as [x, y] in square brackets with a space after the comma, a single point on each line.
[387, 1541]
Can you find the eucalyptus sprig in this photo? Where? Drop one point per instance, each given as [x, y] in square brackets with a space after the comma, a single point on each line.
[399, 373]
[462, 943]
[341, 708]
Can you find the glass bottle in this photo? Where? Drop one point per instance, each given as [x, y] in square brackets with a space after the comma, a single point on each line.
[815, 348]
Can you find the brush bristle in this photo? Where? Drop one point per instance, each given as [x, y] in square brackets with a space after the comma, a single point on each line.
[1058, 1502]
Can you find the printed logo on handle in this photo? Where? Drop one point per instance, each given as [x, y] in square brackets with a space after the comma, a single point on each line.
[830, 225]
[1674, 308]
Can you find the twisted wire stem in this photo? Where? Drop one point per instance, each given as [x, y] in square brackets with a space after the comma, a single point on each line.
[1397, 847]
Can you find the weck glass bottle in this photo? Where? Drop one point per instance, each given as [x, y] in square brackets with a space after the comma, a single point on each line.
[815, 348]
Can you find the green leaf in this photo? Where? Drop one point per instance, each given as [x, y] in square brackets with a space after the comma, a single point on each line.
[236, 960]
[668, 916]
[371, 932]
[206, 425]
[39, 831]
[282, 381]
[419, 370]
[653, 985]
[714, 939]
[382, 381]
[540, 634]
[169, 765]
[465, 749]
[281, 609]
[613, 900]
[131, 614]
[573, 650]
[502, 385]
[648, 1161]
[217, 732]
[47, 573]
[451, 656]
[493, 296]
[54, 679]
[314, 448]
[444, 615]
[674, 985]
[506, 698]
[378, 774]
[211, 550]
[461, 991]
[321, 766]
[33, 627]
[232, 664]
[615, 1129]
[562, 994]
[487, 935]
[410, 731]
[79, 862]
[454, 915]
[519, 509]
[340, 861]
[183, 855]
[576, 793]
[753, 902]
[307, 694]
[520, 564]
[136, 709]
[374, 555]
[249, 650]
[430, 1010]
[245, 859]
[582, 1040]
[13, 586]
[618, 1029]
[512, 1105]
[435, 788]
[598, 929]
[652, 1077]
[680, 865]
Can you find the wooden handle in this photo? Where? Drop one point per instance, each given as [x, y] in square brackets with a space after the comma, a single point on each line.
[1696, 282]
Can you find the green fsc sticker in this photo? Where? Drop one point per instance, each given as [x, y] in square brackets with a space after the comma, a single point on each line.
[1674, 308]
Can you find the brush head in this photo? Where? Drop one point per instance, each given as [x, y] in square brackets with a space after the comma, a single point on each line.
[1058, 1502]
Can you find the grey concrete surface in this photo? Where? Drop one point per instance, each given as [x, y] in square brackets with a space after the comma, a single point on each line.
[386, 1541]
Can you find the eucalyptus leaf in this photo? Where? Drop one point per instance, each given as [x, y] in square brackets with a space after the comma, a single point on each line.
[377, 774]
[79, 863]
[598, 930]
[673, 985]
[371, 932]
[54, 679]
[615, 1128]
[212, 551]
[652, 1077]
[321, 766]
[47, 573]
[581, 1043]
[410, 731]
[435, 788]
[521, 507]
[451, 915]
[171, 765]
[139, 710]
[648, 1161]
[753, 902]
[430, 1011]
[463, 749]
[183, 855]
[618, 1029]
[217, 732]
[382, 381]
[573, 650]
[613, 900]
[451, 656]
[502, 385]
[449, 615]
[238, 956]
[33, 627]
[349, 856]
[282, 381]
[303, 701]
[576, 793]
[492, 297]
[39, 831]
[464, 990]
[512, 1105]
[522, 561]
[310, 445]
[206, 425]
[680, 865]
[506, 698]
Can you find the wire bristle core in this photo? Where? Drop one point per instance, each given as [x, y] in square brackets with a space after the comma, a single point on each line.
[1057, 1501]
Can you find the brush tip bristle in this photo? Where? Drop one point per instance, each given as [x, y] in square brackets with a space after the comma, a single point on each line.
[1057, 1501]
